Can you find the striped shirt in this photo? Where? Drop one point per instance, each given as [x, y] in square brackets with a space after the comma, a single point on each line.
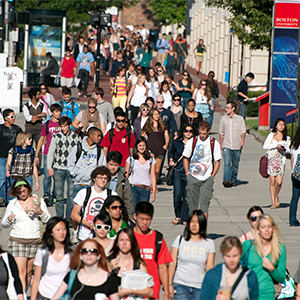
[121, 86]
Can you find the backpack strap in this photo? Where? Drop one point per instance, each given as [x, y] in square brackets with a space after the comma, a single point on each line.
[128, 133]
[158, 243]
[180, 239]
[47, 126]
[98, 153]
[194, 144]
[238, 280]
[45, 258]
[73, 109]
[151, 162]
[212, 147]
[32, 154]
[78, 152]
[61, 103]
[109, 191]
[86, 200]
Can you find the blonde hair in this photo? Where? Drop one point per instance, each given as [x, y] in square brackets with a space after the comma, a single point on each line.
[276, 239]
[140, 76]
[21, 138]
[93, 101]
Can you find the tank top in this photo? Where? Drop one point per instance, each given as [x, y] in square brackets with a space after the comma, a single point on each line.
[184, 94]
[171, 60]
[168, 99]
[107, 51]
[139, 96]
[202, 99]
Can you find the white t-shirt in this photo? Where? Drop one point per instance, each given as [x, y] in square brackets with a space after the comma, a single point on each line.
[55, 273]
[168, 99]
[92, 209]
[201, 160]
[155, 91]
[80, 116]
[295, 155]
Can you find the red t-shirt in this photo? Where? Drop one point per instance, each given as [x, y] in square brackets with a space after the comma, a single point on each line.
[53, 127]
[146, 243]
[67, 67]
[119, 143]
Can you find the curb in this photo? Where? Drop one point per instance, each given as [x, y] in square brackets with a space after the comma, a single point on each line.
[256, 134]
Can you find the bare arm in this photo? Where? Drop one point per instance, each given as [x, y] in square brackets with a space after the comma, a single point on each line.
[242, 142]
[172, 268]
[167, 140]
[38, 148]
[221, 141]
[130, 95]
[36, 176]
[186, 166]
[244, 96]
[61, 290]
[76, 124]
[105, 150]
[127, 168]
[153, 182]
[8, 165]
[164, 279]
[210, 261]
[216, 168]
[36, 282]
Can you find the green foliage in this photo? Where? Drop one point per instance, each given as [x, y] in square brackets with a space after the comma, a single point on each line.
[252, 109]
[292, 127]
[250, 20]
[169, 11]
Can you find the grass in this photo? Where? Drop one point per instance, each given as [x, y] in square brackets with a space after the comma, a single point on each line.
[253, 123]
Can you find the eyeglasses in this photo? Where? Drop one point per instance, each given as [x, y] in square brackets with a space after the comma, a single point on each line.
[160, 101]
[102, 177]
[188, 130]
[105, 227]
[145, 109]
[94, 107]
[253, 219]
[85, 251]
[115, 207]
[10, 117]
[203, 83]
[159, 70]
[120, 121]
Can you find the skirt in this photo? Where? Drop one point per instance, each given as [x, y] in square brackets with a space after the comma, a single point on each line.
[20, 250]
[276, 163]
[203, 109]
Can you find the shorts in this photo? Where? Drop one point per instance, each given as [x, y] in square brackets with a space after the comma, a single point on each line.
[159, 156]
[68, 82]
[20, 250]
[199, 58]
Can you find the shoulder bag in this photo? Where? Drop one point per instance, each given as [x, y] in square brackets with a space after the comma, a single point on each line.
[67, 294]
[170, 175]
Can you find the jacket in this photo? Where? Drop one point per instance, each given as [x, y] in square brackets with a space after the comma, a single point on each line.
[123, 189]
[183, 45]
[81, 170]
[53, 66]
[137, 127]
[212, 279]
[168, 118]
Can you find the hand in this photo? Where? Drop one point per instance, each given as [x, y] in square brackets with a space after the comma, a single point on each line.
[165, 296]
[267, 264]
[171, 292]
[162, 47]
[91, 225]
[7, 174]
[212, 107]
[242, 142]
[221, 146]
[171, 163]
[51, 172]
[124, 292]
[114, 263]
[80, 125]
[165, 147]
[175, 135]
[37, 209]
[37, 186]
[247, 98]
[153, 197]
[127, 105]
[11, 217]
[187, 173]
[181, 89]
[220, 296]
[36, 160]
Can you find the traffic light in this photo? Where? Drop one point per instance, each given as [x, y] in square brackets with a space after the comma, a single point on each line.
[23, 17]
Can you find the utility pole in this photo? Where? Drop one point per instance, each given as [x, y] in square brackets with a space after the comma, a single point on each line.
[229, 65]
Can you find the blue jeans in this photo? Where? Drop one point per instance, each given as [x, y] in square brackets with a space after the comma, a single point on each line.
[243, 110]
[211, 113]
[185, 292]
[5, 183]
[47, 181]
[180, 61]
[170, 71]
[179, 193]
[139, 195]
[294, 201]
[60, 176]
[106, 64]
[231, 164]
[184, 102]
[77, 188]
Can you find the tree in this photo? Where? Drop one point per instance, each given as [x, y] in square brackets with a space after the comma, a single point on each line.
[250, 20]
[169, 12]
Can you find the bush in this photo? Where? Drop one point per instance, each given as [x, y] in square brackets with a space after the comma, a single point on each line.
[252, 109]
[289, 129]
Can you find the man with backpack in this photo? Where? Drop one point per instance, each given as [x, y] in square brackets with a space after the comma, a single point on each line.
[49, 128]
[120, 138]
[201, 161]
[162, 45]
[89, 201]
[153, 248]
[70, 108]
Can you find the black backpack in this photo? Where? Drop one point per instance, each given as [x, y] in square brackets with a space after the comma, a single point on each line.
[79, 151]
[158, 243]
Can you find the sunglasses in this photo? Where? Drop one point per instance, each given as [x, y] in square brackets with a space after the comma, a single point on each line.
[94, 107]
[115, 207]
[145, 109]
[203, 83]
[105, 227]
[159, 70]
[42, 88]
[121, 121]
[185, 75]
[253, 219]
[85, 251]
[139, 69]
[160, 101]
[11, 117]
[177, 99]
[188, 130]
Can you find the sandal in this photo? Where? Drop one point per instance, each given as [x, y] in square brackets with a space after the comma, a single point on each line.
[277, 205]
[176, 221]
[273, 206]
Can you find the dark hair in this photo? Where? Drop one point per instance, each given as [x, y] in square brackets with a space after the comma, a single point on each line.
[144, 208]
[233, 105]
[176, 95]
[120, 70]
[102, 170]
[192, 100]
[33, 91]
[48, 240]
[148, 127]
[204, 125]
[117, 109]
[14, 191]
[149, 98]
[65, 120]
[201, 221]
[115, 156]
[85, 46]
[253, 209]
[250, 74]
[182, 129]
[48, 54]
[109, 201]
[135, 153]
[46, 86]
[99, 91]
[104, 218]
[210, 80]
[93, 130]
[135, 250]
[284, 132]
[6, 112]
[120, 113]
[148, 74]
[158, 64]
[296, 140]
[165, 82]
[119, 52]
[56, 106]
[189, 79]
[66, 91]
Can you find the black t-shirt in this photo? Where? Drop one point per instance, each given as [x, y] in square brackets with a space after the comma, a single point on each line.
[8, 138]
[243, 87]
[109, 287]
[123, 40]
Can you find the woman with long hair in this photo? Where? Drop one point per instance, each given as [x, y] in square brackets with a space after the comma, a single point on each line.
[187, 270]
[199, 49]
[295, 162]
[140, 170]
[115, 40]
[171, 57]
[140, 121]
[181, 207]
[202, 96]
[191, 117]
[230, 280]
[277, 143]
[171, 83]
[185, 88]
[152, 83]
[102, 227]
[49, 272]
[20, 160]
[157, 137]
[138, 49]
[146, 61]
[166, 93]
[114, 207]
[128, 54]
[120, 87]
[266, 256]
[47, 99]
[214, 89]
[137, 96]
[160, 74]
[107, 51]
[24, 214]
[92, 276]
[253, 213]
[126, 257]
[177, 109]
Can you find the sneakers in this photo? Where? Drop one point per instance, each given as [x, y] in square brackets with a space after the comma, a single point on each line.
[74, 239]
[47, 200]
[198, 72]
[227, 183]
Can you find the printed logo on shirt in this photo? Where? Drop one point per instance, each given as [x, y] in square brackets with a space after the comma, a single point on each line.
[196, 167]
[88, 159]
[147, 253]
[193, 250]
[165, 118]
[93, 208]
[53, 130]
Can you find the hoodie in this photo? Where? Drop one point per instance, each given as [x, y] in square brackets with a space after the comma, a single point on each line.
[87, 162]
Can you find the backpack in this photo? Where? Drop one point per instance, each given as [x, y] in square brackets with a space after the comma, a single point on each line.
[296, 169]
[158, 243]
[79, 151]
[47, 125]
[212, 147]
[45, 258]
[111, 136]
[61, 103]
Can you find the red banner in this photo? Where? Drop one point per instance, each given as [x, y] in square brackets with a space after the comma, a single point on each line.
[287, 15]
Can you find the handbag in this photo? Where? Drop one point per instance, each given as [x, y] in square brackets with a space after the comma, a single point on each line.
[67, 294]
[263, 166]
[170, 175]
[166, 61]
[287, 288]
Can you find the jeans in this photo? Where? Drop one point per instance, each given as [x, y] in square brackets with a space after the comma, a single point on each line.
[211, 113]
[170, 71]
[294, 201]
[180, 61]
[231, 164]
[35, 137]
[106, 64]
[243, 110]
[85, 77]
[5, 183]
[139, 195]
[184, 102]
[60, 176]
[185, 292]
[47, 181]
[179, 193]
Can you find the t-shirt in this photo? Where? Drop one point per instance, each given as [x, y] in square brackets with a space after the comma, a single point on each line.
[53, 128]
[55, 273]
[92, 209]
[191, 261]
[84, 60]
[243, 87]
[119, 143]
[140, 173]
[67, 67]
[8, 138]
[109, 287]
[295, 154]
[201, 160]
[147, 248]
[67, 110]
